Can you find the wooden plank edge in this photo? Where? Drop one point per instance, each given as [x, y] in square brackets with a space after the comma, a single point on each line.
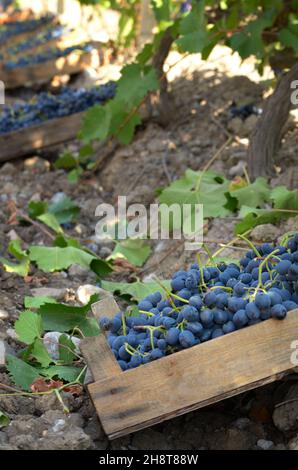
[22, 135]
[194, 407]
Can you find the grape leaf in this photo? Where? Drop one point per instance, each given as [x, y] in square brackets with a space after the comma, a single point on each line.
[14, 248]
[51, 221]
[63, 318]
[67, 373]
[66, 160]
[289, 37]
[36, 302]
[66, 349]
[135, 82]
[187, 190]
[96, 123]
[65, 210]
[4, 420]
[28, 326]
[22, 374]
[50, 259]
[255, 194]
[40, 353]
[284, 199]
[136, 251]
[137, 290]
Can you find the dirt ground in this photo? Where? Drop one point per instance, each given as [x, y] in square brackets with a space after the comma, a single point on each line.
[202, 93]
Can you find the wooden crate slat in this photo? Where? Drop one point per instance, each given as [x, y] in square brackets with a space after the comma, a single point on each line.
[195, 377]
[96, 351]
[25, 141]
[44, 72]
[99, 357]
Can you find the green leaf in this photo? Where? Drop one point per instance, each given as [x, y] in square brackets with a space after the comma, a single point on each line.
[137, 290]
[161, 9]
[65, 210]
[66, 349]
[194, 42]
[22, 374]
[136, 251]
[36, 302]
[255, 194]
[74, 175]
[36, 208]
[50, 259]
[51, 221]
[40, 353]
[66, 373]
[96, 123]
[100, 267]
[134, 84]
[284, 199]
[289, 37]
[63, 318]
[67, 160]
[252, 219]
[28, 326]
[210, 192]
[4, 420]
[14, 248]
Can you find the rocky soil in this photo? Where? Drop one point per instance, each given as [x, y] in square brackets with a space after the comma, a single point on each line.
[264, 419]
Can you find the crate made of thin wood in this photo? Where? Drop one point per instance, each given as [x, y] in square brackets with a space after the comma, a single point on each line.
[19, 37]
[187, 380]
[29, 140]
[41, 73]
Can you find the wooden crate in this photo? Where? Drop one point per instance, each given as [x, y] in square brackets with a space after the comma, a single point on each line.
[187, 380]
[44, 72]
[27, 141]
[25, 35]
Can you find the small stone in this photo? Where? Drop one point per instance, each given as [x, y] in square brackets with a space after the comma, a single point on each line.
[105, 251]
[78, 271]
[250, 124]
[57, 294]
[3, 314]
[51, 342]
[265, 233]
[12, 234]
[85, 292]
[10, 332]
[37, 163]
[285, 417]
[265, 445]
[8, 169]
[59, 425]
[237, 170]
[235, 125]
[293, 443]
[242, 423]
[58, 197]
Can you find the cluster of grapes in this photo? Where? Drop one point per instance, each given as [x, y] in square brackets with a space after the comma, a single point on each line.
[39, 40]
[207, 302]
[48, 54]
[18, 27]
[47, 106]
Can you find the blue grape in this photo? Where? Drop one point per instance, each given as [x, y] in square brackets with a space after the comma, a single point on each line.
[240, 319]
[278, 311]
[186, 339]
[172, 336]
